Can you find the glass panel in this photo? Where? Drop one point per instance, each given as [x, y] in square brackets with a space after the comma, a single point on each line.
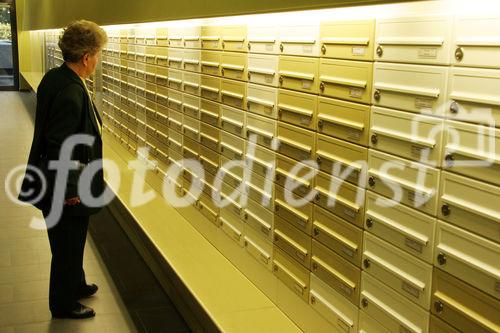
[6, 63]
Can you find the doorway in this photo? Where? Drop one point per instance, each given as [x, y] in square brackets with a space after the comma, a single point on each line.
[9, 68]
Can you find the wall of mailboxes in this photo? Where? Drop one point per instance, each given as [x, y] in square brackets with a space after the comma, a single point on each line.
[342, 92]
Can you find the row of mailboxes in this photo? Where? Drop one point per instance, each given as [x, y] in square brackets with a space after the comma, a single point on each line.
[461, 41]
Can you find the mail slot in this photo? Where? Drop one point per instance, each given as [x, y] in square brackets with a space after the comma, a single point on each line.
[344, 120]
[162, 76]
[210, 87]
[473, 151]
[415, 184]
[210, 62]
[175, 120]
[261, 130]
[471, 258]
[333, 307]
[300, 39]
[209, 112]
[463, 306]
[175, 100]
[150, 55]
[470, 204]
[339, 274]
[190, 149]
[150, 73]
[232, 228]
[233, 93]
[399, 270]
[191, 60]
[340, 198]
[191, 83]
[300, 176]
[162, 56]
[263, 69]
[260, 189]
[234, 38]
[472, 95]
[295, 142]
[403, 227]
[191, 106]
[175, 142]
[295, 243]
[342, 159]
[424, 40]
[175, 58]
[208, 208]
[191, 128]
[209, 136]
[351, 40]
[232, 146]
[414, 88]
[259, 248]
[338, 235]
[234, 66]
[232, 177]
[294, 209]
[175, 77]
[439, 326]
[259, 218]
[292, 274]
[297, 108]
[211, 37]
[299, 73]
[233, 120]
[262, 100]
[262, 38]
[261, 160]
[396, 312]
[346, 79]
[416, 137]
[209, 159]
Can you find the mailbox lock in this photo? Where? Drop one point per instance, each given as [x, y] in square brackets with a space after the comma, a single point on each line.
[380, 51]
[366, 263]
[323, 49]
[318, 159]
[248, 103]
[449, 159]
[438, 306]
[223, 45]
[376, 95]
[282, 47]
[322, 86]
[374, 139]
[313, 300]
[320, 124]
[371, 182]
[278, 177]
[459, 54]
[369, 223]
[276, 238]
[454, 107]
[221, 149]
[222, 71]
[245, 216]
[441, 259]
[316, 232]
[249, 75]
[277, 209]
[364, 302]
[314, 266]
[276, 268]
[281, 80]
[248, 134]
[445, 209]
[249, 47]
[318, 197]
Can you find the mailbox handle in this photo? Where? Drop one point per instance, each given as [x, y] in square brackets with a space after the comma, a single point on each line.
[210, 64]
[297, 110]
[211, 89]
[259, 131]
[467, 152]
[415, 41]
[344, 202]
[304, 182]
[233, 67]
[235, 232]
[332, 309]
[191, 61]
[297, 75]
[206, 160]
[298, 282]
[337, 237]
[263, 71]
[403, 89]
[295, 144]
[475, 98]
[174, 59]
[174, 80]
[298, 40]
[334, 273]
[191, 129]
[258, 219]
[209, 138]
[192, 84]
[345, 41]
[471, 207]
[343, 81]
[210, 113]
[191, 107]
[403, 183]
[231, 148]
[342, 122]
[291, 242]
[334, 158]
[260, 102]
[303, 217]
[232, 94]
[429, 143]
[232, 122]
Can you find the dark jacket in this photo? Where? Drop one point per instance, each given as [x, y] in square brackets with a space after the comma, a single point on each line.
[63, 109]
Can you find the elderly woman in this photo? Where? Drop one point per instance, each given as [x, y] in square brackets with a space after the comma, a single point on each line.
[65, 108]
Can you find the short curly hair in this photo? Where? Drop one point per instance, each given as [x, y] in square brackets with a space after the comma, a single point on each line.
[81, 37]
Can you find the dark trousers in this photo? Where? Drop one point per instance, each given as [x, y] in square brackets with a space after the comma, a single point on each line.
[67, 242]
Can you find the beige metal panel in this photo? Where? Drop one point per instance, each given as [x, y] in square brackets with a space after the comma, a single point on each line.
[471, 258]
[470, 204]
[299, 176]
[333, 307]
[231, 178]
[407, 275]
[263, 39]
[297, 214]
[292, 274]
[413, 88]
[473, 97]
[232, 146]
[339, 274]
[295, 142]
[344, 120]
[259, 248]
[463, 306]
[210, 62]
[175, 100]
[191, 83]
[413, 184]
[233, 120]
[209, 159]
[191, 128]
[175, 120]
[162, 93]
[209, 136]
[234, 38]
[476, 41]
[342, 159]
[437, 325]
[234, 66]
[424, 40]
[406, 228]
[191, 106]
[175, 77]
[208, 209]
[161, 36]
[297, 108]
[262, 100]
[161, 56]
[292, 241]
[338, 234]
[175, 142]
[346, 79]
[261, 160]
[177, 33]
[175, 57]
[233, 93]
[260, 189]
[191, 60]
[413, 136]
[261, 130]
[209, 112]
[473, 151]
[368, 324]
[231, 227]
[259, 218]
[210, 87]
[351, 40]
[190, 148]
[299, 73]
[263, 69]
[300, 39]
[162, 76]
[396, 312]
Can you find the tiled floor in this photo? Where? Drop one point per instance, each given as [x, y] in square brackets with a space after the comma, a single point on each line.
[25, 253]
